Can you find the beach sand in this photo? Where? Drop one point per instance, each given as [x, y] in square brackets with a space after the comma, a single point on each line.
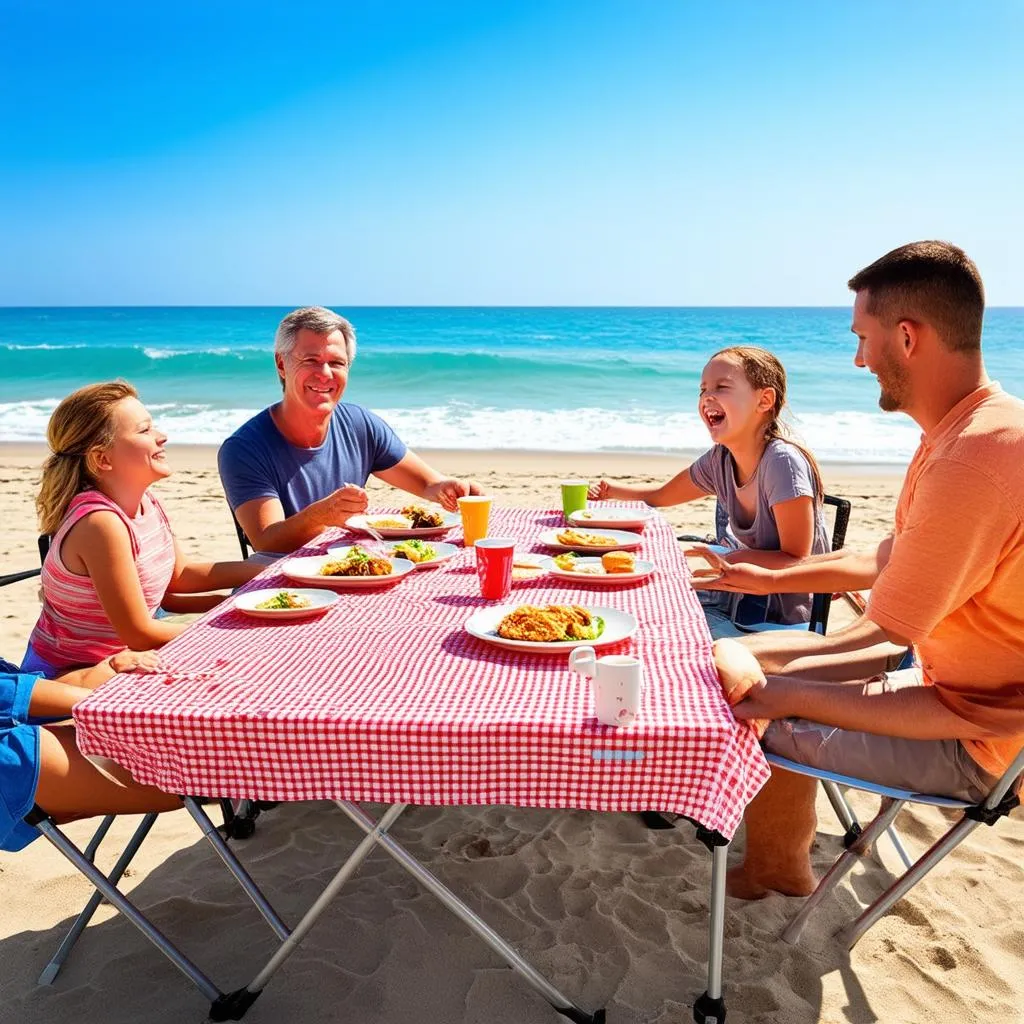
[614, 914]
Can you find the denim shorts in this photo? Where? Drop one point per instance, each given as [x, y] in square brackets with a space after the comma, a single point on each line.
[19, 758]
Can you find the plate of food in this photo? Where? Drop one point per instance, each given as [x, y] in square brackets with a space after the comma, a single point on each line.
[347, 567]
[422, 554]
[596, 542]
[412, 521]
[611, 518]
[550, 629]
[612, 567]
[285, 604]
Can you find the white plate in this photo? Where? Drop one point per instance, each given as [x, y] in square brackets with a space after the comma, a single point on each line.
[444, 552]
[643, 570]
[451, 520]
[307, 570]
[618, 626]
[610, 518]
[622, 541]
[321, 601]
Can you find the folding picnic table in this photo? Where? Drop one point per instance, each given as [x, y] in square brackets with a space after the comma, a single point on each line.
[386, 699]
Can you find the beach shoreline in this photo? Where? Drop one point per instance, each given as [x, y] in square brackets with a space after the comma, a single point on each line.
[545, 461]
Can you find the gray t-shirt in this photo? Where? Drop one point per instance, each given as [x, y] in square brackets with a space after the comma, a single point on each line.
[782, 474]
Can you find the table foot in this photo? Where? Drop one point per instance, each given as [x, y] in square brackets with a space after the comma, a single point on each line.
[233, 1005]
[578, 1016]
[709, 1011]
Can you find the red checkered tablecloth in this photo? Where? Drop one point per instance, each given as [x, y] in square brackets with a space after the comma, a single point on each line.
[386, 698]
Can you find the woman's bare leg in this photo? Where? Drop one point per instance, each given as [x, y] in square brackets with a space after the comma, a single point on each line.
[71, 787]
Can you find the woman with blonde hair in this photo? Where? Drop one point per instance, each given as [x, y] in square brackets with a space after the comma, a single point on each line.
[113, 557]
[767, 483]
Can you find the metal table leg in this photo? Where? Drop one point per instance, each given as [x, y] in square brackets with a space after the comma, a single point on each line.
[233, 1005]
[710, 1007]
[533, 977]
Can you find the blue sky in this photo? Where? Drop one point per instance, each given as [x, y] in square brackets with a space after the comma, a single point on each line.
[659, 152]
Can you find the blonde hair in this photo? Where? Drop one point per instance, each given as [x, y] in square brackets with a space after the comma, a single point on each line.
[763, 370]
[82, 424]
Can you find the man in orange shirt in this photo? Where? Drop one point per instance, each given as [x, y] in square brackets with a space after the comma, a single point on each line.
[949, 580]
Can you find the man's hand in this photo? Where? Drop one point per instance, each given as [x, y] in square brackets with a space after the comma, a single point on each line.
[766, 702]
[132, 661]
[344, 503]
[599, 491]
[447, 492]
[739, 577]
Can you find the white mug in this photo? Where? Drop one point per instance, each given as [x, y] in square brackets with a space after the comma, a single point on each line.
[616, 682]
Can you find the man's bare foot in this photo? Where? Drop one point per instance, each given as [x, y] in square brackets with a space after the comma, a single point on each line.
[740, 885]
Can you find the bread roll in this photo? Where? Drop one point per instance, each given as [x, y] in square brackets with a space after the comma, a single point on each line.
[618, 561]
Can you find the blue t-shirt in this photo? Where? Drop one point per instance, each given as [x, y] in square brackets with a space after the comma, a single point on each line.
[256, 461]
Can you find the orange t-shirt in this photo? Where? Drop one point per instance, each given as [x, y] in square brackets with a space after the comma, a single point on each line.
[954, 582]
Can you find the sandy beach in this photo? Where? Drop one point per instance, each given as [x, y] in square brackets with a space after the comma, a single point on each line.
[613, 913]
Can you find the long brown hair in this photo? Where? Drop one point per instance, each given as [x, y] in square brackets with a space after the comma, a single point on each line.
[81, 425]
[763, 370]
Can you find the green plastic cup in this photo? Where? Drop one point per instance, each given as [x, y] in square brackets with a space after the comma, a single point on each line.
[574, 496]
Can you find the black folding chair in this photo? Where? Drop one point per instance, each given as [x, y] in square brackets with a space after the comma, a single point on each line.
[243, 541]
[821, 604]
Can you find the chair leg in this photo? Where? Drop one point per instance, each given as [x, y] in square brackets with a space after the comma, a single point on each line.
[52, 969]
[98, 836]
[950, 841]
[839, 869]
[851, 826]
[128, 909]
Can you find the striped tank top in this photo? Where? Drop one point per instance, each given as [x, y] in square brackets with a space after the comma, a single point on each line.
[73, 630]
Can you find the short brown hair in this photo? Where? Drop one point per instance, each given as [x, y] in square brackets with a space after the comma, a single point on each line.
[932, 282]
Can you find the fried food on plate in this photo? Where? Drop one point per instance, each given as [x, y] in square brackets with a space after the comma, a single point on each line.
[421, 518]
[618, 561]
[578, 538]
[358, 562]
[550, 624]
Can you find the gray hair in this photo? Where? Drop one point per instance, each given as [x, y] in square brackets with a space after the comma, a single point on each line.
[317, 319]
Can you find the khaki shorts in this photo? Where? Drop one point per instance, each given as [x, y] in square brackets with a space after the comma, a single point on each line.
[935, 767]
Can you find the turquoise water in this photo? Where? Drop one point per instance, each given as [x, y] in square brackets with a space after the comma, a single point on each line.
[551, 378]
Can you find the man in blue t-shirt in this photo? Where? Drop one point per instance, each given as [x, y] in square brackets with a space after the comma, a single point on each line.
[301, 465]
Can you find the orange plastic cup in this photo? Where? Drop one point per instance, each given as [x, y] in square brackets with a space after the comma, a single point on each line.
[476, 516]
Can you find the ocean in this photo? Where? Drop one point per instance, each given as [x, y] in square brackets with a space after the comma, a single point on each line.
[558, 379]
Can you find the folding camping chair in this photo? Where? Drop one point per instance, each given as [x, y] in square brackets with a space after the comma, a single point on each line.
[243, 542]
[821, 604]
[106, 888]
[1003, 798]
[237, 825]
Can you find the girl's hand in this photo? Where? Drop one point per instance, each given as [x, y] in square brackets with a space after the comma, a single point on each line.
[132, 661]
[599, 491]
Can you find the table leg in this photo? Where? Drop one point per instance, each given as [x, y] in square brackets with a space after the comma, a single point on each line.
[232, 863]
[533, 977]
[710, 1007]
[234, 1005]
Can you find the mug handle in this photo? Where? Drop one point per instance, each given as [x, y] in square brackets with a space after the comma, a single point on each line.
[583, 660]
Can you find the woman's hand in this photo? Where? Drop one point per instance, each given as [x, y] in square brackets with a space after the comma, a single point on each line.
[135, 661]
[599, 491]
